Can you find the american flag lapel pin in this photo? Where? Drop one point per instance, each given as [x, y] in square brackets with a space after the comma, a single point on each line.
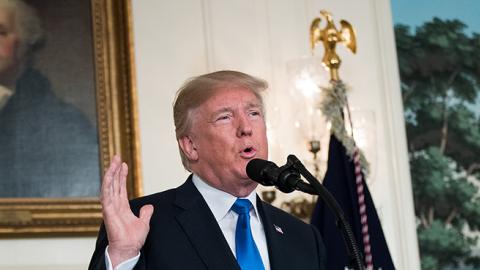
[278, 229]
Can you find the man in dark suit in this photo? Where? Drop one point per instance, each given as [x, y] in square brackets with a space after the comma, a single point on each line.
[214, 220]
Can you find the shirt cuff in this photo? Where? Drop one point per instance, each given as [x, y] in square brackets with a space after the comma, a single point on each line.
[125, 265]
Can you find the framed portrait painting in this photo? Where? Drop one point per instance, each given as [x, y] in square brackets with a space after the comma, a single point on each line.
[67, 105]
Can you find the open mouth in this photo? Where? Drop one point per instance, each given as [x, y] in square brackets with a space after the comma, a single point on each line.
[248, 152]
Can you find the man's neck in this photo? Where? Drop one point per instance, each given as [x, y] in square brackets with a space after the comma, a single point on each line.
[9, 77]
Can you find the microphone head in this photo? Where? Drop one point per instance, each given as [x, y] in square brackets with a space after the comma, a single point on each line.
[259, 170]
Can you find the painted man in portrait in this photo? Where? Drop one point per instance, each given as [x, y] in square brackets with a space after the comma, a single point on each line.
[48, 148]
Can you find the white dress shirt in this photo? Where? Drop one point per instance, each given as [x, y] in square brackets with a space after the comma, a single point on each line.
[219, 203]
[5, 94]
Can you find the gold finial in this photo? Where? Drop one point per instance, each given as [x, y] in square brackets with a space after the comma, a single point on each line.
[330, 36]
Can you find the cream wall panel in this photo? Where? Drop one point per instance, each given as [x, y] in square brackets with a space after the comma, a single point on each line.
[170, 46]
[401, 188]
[32, 254]
[287, 21]
[238, 35]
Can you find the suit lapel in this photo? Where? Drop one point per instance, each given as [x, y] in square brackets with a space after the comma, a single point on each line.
[202, 229]
[275, 235]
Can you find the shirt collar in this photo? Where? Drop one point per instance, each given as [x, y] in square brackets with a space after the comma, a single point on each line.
[220, 201]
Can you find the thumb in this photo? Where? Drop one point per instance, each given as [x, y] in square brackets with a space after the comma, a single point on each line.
[146, 213]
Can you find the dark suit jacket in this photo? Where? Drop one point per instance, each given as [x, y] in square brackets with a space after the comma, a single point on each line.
[185, 235]
[48, 148]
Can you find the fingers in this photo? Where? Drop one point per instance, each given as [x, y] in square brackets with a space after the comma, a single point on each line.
[123, 180]
[116, 180]
[109, 177]
[146, 213]
[113, 166]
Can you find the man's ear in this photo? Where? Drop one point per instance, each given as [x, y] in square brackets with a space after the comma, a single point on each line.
[188, 147]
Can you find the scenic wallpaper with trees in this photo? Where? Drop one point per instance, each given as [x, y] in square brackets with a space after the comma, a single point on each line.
[439, 63]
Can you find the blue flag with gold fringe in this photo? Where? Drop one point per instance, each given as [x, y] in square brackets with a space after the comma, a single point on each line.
[341, 180]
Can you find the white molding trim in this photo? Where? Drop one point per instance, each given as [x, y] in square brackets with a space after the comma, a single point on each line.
[208, 35]
[395, 129]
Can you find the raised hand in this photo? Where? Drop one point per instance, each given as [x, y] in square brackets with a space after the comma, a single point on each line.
[126, 232]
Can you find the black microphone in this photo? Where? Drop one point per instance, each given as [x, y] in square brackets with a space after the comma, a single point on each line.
[262, 171]
[285, 178]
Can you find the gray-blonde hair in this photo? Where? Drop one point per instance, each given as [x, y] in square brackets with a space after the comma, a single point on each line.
[195, 91]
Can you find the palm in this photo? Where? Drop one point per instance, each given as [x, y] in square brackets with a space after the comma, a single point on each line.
[126, 232]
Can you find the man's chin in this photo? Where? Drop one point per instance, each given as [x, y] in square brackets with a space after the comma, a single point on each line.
[249, 183]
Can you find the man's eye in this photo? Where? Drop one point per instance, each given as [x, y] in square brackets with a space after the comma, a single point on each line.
[223, 117]
[255, 113]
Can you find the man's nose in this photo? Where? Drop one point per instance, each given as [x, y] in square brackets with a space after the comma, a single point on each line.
[244, 126]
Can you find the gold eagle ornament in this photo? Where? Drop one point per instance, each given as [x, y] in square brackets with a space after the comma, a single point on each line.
[330, 36]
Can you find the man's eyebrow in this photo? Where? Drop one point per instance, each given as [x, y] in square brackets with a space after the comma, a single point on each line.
[250, 105]
[222, 110]
[219, 111]
[254, 105]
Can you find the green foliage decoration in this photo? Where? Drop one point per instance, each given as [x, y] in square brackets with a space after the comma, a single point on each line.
[332, 105]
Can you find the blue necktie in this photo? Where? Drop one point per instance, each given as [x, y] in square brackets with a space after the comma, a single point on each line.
[248, 256]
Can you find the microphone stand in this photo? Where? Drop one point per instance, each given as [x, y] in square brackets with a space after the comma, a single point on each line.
[340, 221]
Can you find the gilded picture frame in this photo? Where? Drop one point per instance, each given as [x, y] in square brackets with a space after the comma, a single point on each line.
[117, 118]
